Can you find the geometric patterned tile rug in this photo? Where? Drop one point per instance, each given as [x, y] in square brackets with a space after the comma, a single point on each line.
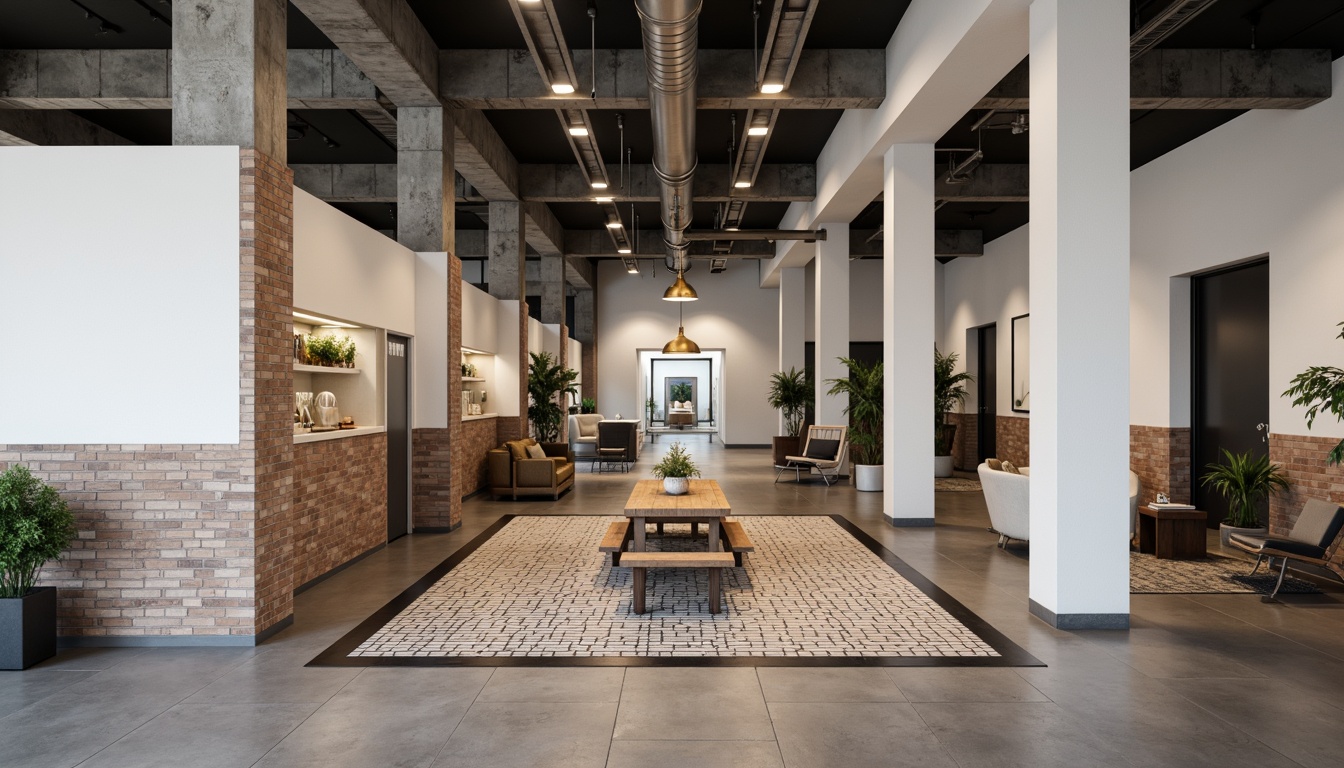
[1210, 576]
[955, 484]
[535, 590]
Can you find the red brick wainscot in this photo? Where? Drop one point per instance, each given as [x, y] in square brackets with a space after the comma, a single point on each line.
[478, 437]
[340, 502]
[1161, 458]
[1303, 459]
[1012, 439]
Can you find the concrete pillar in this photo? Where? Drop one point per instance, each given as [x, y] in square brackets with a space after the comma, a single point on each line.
[553, 289]
[229, 74]
[426, 216]
[506, 249]
[832, 320]
[585, 330]
[907, 334]
[1079, 277]
[792, 321]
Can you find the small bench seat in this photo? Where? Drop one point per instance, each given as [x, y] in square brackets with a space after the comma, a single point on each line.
[618, 534]
[735, 540]
[715, 562]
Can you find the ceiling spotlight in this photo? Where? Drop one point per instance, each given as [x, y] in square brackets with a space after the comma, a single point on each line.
[631, 266]
[614, 224]
[563, 89]
[578, 130]
[680, 290]
[757, 130]
[742, 184]
[604, 199]
[623, 251]
[598, 184]
[772, 88]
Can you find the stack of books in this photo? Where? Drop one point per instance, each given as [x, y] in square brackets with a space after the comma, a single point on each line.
[1170, 505]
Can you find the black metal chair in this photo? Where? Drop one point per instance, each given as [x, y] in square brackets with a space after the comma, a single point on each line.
[1312, 540]
[615, 444]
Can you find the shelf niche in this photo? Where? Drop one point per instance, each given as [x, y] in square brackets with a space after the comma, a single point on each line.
[360, 391]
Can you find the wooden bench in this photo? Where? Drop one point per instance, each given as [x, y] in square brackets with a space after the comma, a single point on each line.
[618, 535]
[735, 540]
[715, 562]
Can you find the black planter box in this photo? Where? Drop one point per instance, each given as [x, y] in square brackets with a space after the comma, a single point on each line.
[28, 628]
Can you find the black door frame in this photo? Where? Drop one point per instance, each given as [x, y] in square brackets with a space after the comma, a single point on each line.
[405, 526]
[982, 423]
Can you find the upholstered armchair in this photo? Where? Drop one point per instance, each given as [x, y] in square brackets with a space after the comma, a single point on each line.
[583, 433]
[1008, 497]
[514, 472]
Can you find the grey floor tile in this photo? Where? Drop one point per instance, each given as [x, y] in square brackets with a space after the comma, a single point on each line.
[169, 671]
[948, 684]
[276, 678]
[1031, 735]
[94, 659]
[65, 728]
[701, 754]
[827, 684]
[883, 735]
[21, 689]
[524, 734]
[680, 703]
[554, 684]
[204, 736]
[1301, 727]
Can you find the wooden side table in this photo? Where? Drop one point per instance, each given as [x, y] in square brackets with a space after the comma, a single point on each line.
[1173, 534]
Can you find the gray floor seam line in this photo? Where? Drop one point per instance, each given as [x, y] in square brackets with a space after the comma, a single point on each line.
[305, 719]
[616, 718]
[941, 744]
[439, 752]
[1233, 725]
[769, 716]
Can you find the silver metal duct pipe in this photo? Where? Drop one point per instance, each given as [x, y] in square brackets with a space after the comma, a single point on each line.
[670, 30]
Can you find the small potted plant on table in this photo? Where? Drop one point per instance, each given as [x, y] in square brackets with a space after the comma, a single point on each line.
[35, 526]
[676, 470]
[1244, 481]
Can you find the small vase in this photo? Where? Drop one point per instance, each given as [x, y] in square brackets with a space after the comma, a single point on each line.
[676, 486]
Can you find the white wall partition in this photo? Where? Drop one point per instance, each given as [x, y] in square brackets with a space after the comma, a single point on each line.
[119, 295]
[429, 353]
[480, 321]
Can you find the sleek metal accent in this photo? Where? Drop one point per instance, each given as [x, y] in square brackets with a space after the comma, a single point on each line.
[806, 235]
[1164, 24]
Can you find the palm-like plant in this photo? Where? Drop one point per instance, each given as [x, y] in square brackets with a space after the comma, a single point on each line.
[790, 392]
[864, 389]
[546, 380]
[1321, 388]
[949, 393]
[681, 392]
[1244, 481]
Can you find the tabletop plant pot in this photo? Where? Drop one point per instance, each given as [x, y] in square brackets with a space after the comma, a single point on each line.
[676, 486]
[676, 470]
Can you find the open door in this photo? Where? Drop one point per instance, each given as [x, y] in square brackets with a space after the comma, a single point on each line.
[398, 436]
[987, 389]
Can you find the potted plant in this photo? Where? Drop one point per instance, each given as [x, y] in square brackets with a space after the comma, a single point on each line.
[546, 381]
[1321, 388]
[1244, 481]
[650, 405]
[949, 393]
[588, 405]
[676, 470]
[865, 391]
[347, 347]
[35, 526]
[790, 392]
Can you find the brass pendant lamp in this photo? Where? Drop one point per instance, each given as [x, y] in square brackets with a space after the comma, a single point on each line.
[680, 345]
[680, 290]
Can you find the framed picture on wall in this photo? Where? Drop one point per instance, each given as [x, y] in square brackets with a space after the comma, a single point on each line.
[1022, 364]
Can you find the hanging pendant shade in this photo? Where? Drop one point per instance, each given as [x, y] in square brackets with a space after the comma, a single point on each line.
[681, 345]
[680, 290]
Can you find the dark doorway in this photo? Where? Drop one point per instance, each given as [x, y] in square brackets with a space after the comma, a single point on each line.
[398, 436]
[1229, 372]
[986, 391]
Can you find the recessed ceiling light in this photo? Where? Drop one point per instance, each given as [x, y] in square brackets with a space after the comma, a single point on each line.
[742, 184]
[757, 130]
[529, 1]
[562, 88]
[578, 130]
[622, 250]
[325, 322]
[614, 224]
[772, 88]
[597, 184]
[604, 199]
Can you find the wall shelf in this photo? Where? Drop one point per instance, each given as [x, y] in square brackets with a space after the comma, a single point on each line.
[472, 378]
[301, 368]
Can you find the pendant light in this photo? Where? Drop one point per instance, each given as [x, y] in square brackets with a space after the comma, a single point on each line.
[680, 290]
[681, 345]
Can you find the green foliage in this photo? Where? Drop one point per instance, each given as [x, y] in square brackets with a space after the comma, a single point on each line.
[546, 381]
[588, 405]
[864, 388]
[329, 350]
[676, 463]
[35, 526]
[1244, 481]
[348, 350]
[1319, 389]
[949, 393]
[790, 392]
[681, 392]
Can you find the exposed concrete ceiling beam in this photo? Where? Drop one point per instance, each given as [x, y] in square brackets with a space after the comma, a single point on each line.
[507, 79]
[386, 41]
[52, 127]
[1181, 78]
[865, 244]
[579, 272]
[989, 183]
[482, 157]
[348, 183]
[594, 244]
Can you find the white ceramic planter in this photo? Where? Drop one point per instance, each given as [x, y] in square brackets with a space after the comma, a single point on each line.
[676, 486]
[868, 477]
[942, 466]
[1225, 532]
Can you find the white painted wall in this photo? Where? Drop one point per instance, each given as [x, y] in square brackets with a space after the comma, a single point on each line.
[480, 321]
[506, 388]
[429, 348]
[733, 314]
[119, 295]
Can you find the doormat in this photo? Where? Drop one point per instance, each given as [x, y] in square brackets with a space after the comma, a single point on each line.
[534, 590]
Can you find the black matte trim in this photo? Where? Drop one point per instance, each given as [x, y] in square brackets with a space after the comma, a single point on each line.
[307, 585]
[1010, 654]
[1077, 621]
[436, 528]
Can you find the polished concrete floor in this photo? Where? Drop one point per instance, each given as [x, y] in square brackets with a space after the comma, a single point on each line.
[1216, 680]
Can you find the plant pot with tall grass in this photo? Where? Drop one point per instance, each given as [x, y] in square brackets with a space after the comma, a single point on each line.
[35, 526]
[864, 387]
[1245, 481]
[676, 470]
[949, 395]
[789, 393]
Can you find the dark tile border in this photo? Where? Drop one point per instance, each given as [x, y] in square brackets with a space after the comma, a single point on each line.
[1010, 654]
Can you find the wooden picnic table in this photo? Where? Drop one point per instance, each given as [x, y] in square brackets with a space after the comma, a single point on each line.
[705, 503]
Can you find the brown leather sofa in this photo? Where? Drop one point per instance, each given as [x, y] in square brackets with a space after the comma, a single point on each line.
[514, 474]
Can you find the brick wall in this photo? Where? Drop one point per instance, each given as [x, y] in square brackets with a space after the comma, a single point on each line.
[1012, 439]
[1161, 458]
[965, 445]
[1303, 460]
[478, 437]
[436, 495]
[340, 502]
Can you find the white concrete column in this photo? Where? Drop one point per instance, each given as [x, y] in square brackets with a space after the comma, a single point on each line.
[831, 334]
[908, 301]
[1080, 313]
[792, 321]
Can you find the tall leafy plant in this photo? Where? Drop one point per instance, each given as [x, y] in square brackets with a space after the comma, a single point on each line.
[546, 381]
[680, 392]
[790, 392]
[949, 393]
[1244, 481]
[35, 526]
[1319, 389]
[864, 389]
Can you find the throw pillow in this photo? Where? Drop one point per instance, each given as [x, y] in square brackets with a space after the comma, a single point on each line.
[518, 449]
[535, 451]
[994, 464]
[822, 449]
[1010, 468]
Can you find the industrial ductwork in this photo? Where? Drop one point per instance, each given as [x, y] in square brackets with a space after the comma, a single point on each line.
[670, 30]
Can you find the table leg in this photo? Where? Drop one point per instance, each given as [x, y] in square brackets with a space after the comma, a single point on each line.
[638, 578]
[638, 523]
[714, 534]
[714, 606]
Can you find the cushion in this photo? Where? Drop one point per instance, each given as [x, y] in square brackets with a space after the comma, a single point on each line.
[588, 424]
[518, 448]
[994, 464]
[1296, 548]
[1318, 524]
[1010, 468]
[535, 451]
[821, 449]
